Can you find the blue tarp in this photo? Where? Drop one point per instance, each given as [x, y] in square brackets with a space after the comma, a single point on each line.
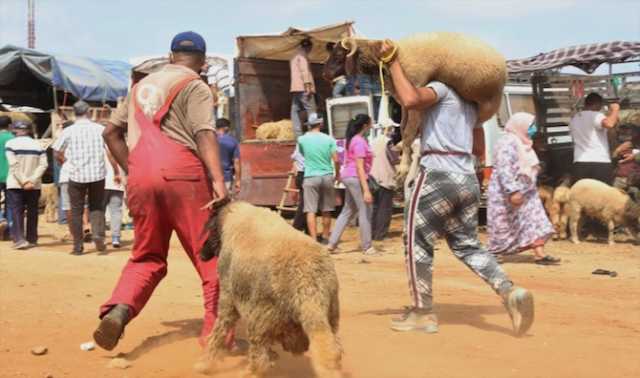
[88, 79]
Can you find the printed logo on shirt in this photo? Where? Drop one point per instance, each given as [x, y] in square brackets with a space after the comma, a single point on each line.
[150, 98]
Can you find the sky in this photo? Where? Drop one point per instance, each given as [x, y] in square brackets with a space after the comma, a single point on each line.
[123, 29]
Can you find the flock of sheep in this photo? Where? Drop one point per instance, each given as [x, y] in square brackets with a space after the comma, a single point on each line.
[568, 205]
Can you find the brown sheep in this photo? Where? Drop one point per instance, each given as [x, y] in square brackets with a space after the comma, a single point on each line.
[559, 209]
[49, 200]
[474, 69]
[604, 203]
[281, 282]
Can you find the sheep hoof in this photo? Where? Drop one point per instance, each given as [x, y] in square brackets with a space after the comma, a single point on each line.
[202, 367]
[273, 356]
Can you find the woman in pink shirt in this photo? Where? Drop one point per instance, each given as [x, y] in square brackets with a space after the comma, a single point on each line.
[354, 175]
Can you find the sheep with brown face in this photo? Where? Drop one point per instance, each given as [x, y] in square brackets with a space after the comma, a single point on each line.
[476, 71]
[282, 283]
[605, 203]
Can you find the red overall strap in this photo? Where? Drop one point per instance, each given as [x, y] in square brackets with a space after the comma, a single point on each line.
[157, 118]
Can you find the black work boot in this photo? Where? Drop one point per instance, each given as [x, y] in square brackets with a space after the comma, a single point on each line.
[111, 327]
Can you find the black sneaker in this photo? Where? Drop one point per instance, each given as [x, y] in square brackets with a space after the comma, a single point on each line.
[111, 327]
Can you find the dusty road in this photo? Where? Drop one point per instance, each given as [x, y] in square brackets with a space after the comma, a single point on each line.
[586, 325]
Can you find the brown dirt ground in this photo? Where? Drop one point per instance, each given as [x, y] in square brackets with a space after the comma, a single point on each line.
[586, 325]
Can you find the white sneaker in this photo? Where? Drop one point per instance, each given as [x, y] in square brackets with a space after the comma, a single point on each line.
[21, 245]
[372, 252]
[519, 303]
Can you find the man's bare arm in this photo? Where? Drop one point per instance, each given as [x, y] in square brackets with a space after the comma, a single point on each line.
[612, 117]
[209, 153]
[114, 138]
[407, 94]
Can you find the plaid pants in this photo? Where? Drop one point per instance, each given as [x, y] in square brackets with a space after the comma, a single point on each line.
[445, 204]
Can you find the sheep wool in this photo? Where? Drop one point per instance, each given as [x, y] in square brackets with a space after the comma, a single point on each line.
[474, 69]
[281, 283]
[605, 203]
[280, 130]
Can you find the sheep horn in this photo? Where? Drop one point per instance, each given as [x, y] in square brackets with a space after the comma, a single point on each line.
[350, 45]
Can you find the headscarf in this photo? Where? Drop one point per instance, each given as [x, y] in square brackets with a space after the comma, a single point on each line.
[517, 127]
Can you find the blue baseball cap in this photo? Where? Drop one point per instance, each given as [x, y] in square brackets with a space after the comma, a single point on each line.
[21, 125]
[189, 42]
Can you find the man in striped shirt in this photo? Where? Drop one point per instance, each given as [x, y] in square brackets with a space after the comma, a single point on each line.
[82, 147]
[27, 163]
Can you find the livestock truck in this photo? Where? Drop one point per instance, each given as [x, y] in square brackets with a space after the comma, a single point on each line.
[261, 94]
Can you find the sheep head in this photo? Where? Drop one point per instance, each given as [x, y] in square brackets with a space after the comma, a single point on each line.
[351, 56]
[213, 244]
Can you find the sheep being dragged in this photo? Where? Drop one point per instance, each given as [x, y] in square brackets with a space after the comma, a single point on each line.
[281, 282]
[475, 70]
[604, 203]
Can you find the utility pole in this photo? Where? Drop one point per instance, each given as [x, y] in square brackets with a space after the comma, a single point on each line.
[31, 24]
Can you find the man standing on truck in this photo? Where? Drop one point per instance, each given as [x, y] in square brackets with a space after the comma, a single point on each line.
[172, 159]
[229, 156]
[588, 128]
[303, 88]
[444, 202]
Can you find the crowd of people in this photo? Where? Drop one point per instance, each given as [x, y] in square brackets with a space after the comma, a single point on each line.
[167, 159]
[90, 183]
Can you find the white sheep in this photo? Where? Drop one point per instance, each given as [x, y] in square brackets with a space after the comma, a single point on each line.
[605, 203]
[559, 209]
[475, 70]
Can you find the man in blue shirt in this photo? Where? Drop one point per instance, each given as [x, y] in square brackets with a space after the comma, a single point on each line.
[229, 156]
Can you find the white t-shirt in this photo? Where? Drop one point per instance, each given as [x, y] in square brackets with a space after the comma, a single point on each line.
[590, 143]
[448, 126]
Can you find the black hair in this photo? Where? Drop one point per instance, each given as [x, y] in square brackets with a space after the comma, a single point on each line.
[593, 99]
[356, 124]
[66, 124]
[5, 121]
[222, 123]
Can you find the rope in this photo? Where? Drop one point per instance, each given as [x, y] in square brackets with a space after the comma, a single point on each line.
[385, 60]
[380, 66]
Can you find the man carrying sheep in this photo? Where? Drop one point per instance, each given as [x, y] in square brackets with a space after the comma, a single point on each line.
[445, 201]
[172, 160]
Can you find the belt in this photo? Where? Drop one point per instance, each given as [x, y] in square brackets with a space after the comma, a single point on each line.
[438, 152]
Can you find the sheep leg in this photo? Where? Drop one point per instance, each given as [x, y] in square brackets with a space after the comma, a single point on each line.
[410, 128]
[564, 220]
[574, 219]
[611, 226]
[554, 217]
[326, 354]
[261, 357]
[228, 316]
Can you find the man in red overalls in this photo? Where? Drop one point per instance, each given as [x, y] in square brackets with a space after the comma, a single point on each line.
[171, 156]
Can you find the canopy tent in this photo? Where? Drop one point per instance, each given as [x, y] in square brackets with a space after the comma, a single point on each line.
[283, 46]
[218, 69]
[585, 57]
[28, 76]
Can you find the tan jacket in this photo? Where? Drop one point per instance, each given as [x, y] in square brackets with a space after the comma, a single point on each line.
[27, 162]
